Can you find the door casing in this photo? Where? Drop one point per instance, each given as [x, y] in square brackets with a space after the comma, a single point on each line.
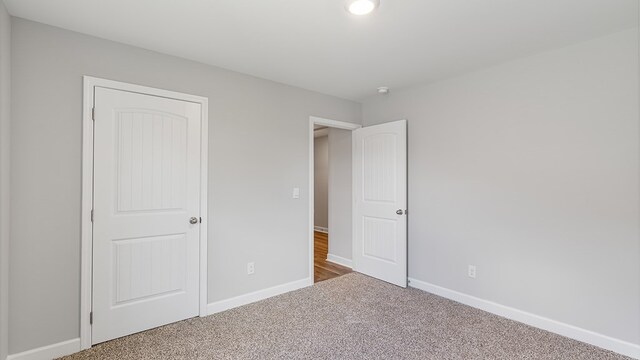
[314, 120]
[86, 259]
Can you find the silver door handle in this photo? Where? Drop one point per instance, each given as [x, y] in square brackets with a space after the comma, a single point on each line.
[399, 211]
[193, 220]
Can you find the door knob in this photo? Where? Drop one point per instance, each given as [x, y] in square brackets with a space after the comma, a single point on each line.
[399, 211]
[193, 220]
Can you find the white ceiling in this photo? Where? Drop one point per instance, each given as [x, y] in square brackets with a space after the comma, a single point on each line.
[317, 45]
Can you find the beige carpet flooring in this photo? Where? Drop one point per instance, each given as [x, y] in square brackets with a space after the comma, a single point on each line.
[350, 317]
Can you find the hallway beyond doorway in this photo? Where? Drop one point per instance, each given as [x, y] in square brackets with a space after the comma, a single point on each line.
[323, 269]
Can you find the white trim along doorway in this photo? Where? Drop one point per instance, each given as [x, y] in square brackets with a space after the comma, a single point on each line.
[91, 84]
[379, 190]
[313, 121]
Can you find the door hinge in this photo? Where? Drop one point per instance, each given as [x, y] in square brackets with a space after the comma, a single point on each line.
[93, 114]
[91, 318]
[91, 215]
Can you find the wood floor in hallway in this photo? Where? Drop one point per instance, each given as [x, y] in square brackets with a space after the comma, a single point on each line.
[323, 269]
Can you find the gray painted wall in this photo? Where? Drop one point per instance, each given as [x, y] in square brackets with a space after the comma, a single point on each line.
[529, 170]
[321, 181]
[252, 215]
[5, 127]
[340, 196]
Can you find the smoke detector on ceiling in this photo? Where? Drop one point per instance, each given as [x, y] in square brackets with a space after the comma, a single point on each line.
[383, 90]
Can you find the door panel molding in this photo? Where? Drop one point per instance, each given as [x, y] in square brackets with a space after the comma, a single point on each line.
[90, 83]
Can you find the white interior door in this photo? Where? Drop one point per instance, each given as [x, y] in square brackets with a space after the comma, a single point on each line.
[146, 212]
[380, 201]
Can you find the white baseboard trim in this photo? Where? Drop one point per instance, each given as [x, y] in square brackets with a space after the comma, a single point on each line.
[49, 352]
[249, 298]
[339, 260]
[321, 229]
[72, 346]
[570, 331]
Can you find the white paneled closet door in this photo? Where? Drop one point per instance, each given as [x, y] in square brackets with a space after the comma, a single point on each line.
[380, 201]
[146, 212]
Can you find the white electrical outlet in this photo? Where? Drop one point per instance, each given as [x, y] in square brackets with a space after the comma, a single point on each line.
[250, 268]
[472, 271]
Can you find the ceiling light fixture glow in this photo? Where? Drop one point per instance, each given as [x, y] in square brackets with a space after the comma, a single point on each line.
[361, 7]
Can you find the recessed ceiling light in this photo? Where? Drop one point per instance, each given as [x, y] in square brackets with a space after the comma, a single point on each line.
[361, 7]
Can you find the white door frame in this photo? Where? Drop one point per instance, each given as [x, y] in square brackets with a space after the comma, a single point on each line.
[86, 259]
[313, 120]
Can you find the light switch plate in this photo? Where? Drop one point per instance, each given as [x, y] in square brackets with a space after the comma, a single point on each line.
[296, 193]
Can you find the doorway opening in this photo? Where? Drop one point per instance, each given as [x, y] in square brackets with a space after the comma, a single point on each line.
[368, 206]
[330, 198]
